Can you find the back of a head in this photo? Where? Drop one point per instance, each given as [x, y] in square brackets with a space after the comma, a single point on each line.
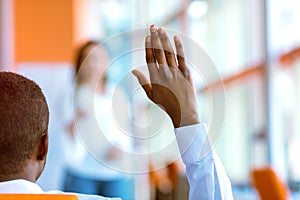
[24, 118]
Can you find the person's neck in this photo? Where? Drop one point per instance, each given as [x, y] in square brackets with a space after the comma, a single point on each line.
[24, 176]
[30, 172]
[100, 89]
[100, 86]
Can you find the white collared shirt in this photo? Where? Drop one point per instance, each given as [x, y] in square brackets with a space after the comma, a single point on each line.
[204, 170]
[21, 186]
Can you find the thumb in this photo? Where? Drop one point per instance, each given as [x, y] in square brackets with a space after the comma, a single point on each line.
[144, 82]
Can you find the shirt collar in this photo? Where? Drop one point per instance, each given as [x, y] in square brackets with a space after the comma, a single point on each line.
[20, 186]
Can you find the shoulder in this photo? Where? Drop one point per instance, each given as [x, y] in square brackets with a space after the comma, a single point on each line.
[83, 196]
[94, 197]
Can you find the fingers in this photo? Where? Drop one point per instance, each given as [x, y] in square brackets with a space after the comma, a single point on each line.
[181, 57]
[159, 53]
[159, 49]
[150, 59]
[168, 49]
[144, 82]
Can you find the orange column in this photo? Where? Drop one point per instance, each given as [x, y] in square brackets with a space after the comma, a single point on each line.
[46, 30]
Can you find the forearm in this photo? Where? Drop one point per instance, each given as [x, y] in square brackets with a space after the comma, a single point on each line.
[205, 172]
[170, 85]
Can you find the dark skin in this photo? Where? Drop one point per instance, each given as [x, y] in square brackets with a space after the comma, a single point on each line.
[35, 165]
[170, 85]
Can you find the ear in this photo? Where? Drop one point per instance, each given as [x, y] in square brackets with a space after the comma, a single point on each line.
[43, 148]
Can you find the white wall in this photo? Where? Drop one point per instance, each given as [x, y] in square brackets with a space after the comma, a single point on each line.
[6, 35]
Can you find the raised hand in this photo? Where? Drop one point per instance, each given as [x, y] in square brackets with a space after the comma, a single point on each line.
[170, 85]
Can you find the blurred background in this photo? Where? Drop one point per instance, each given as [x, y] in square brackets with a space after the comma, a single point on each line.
[254, 44]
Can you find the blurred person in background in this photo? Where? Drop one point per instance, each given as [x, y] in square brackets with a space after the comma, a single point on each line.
[96, 139]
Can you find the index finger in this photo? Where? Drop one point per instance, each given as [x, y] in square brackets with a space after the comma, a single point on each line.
[151, 63]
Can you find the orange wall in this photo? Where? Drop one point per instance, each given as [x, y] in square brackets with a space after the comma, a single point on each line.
[46, 30]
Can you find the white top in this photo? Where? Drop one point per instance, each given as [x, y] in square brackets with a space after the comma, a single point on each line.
[21, 186]
[206, 175]
[98, 132]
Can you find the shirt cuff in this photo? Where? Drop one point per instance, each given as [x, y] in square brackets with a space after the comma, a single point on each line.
[193, 143]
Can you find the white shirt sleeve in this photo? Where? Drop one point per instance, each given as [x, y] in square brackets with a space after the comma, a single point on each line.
[204, 170]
